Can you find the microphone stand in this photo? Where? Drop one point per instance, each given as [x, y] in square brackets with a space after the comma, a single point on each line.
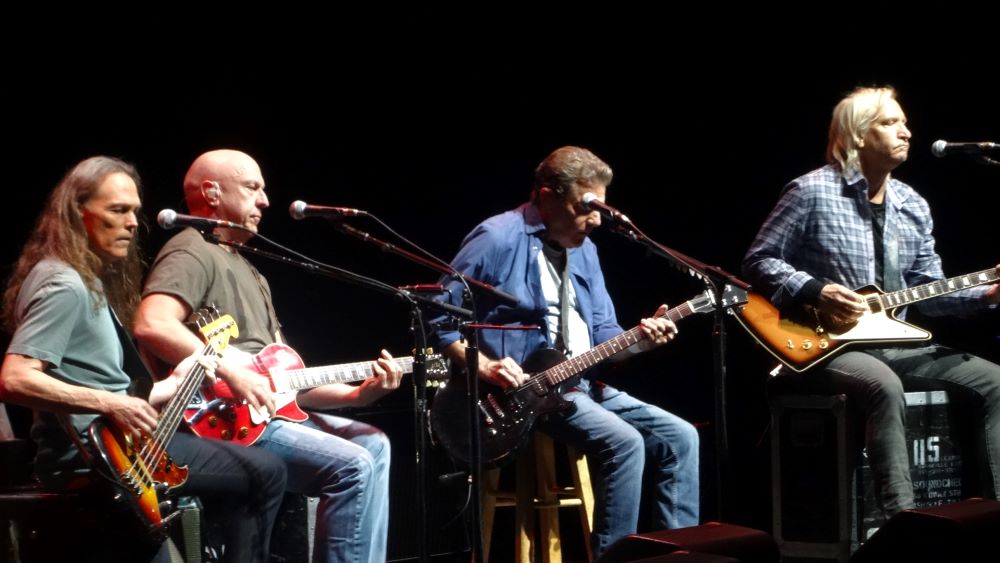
[729, 292]
[442, 269]
[470, 334]
[419, 363]
[983, 159]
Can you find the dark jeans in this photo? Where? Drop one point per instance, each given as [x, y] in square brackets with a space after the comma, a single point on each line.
[239, 487]
[874, 381]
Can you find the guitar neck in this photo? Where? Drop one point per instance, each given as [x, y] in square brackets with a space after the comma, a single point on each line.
[910, 295]
[307, 378]
[597, 354]
[173, 412]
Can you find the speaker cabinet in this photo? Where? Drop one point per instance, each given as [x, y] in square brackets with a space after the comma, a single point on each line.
[964, 531]
[688, 557]
[745, 545]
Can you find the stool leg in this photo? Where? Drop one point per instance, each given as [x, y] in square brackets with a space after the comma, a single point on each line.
[545, 466]
[525, 515]
[581, 480]
[489, 505]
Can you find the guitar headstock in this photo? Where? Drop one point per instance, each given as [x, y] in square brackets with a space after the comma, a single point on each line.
[214, 328]
[438, 367]
[731, 297]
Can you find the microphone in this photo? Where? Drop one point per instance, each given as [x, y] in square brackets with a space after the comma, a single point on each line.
[942, 148]
[591, 203]
[170, 219]
[300, 210]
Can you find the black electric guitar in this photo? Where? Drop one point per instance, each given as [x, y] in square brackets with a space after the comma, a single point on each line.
[506, 417]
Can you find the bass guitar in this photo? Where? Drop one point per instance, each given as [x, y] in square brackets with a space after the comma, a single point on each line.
[801, 342]
[506, 417]
[216, 414]
[141, 471]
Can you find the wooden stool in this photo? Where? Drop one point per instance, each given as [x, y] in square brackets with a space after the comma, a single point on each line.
[536, 489]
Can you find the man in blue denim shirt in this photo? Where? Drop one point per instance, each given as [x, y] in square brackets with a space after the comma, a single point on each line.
[528, 252]
[847, 225]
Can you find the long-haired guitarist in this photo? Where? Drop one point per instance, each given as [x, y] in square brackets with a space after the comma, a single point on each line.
[851, 224]
[79, 269]
[541, 254]
[343, 462]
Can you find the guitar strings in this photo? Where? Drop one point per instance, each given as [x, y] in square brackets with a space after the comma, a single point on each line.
[592, 357]
[153, 449]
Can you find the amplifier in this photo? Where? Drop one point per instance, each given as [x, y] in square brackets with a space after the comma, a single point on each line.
[935, 460]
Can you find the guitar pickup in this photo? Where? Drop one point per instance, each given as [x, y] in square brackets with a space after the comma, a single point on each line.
[496, 407]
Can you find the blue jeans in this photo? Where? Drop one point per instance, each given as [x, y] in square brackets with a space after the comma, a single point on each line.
[346, 464]
[620, 433]
[874, 381]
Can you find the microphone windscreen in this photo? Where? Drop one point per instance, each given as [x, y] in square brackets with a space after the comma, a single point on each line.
[166, 218]
[297, 209]
[938, 148]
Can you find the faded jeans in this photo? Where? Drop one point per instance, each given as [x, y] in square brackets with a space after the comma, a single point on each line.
[346, 464]
[619, 433]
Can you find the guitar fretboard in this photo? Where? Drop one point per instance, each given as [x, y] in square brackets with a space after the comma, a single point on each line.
[909, 295]
[307, 378]
[565, 370]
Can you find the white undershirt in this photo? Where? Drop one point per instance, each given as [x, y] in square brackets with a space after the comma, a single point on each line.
[578, 340]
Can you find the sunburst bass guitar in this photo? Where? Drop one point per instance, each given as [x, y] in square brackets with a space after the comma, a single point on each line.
[142, 472]
[800, 341]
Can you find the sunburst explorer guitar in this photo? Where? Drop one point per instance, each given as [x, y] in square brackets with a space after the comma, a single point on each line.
[216, 414]
[507, 416]
[142, 471]
[801, 344]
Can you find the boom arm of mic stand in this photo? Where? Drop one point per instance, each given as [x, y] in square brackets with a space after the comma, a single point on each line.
[716, 279]
[389, 247]
[681, 261]
[356, 279]
[419, 367]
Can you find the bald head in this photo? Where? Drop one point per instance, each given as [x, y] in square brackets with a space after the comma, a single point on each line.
[227, 185]
[212, 168]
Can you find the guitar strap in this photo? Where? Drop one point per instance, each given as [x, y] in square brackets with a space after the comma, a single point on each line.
[563, 343]
[272, 316]
[142, 382]
[886, 248]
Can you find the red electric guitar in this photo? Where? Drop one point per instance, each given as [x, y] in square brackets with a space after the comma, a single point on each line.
[218, 415]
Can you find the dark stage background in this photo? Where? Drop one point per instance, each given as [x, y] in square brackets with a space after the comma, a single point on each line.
[433, 140]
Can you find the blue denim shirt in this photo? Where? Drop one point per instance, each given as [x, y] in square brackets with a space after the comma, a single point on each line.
[821, 229]
[503, 251]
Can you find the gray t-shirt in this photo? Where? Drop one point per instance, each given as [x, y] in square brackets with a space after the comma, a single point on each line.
[201, 274]
[60, 322]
